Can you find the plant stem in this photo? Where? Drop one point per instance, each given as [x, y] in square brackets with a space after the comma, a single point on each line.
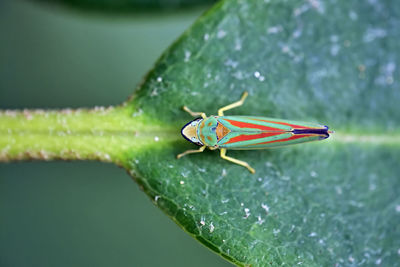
[105, 134]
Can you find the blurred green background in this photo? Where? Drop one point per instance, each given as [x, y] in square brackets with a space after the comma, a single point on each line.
[83, 213]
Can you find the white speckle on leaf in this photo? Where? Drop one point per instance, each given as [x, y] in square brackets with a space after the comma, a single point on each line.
[274, 29]
[335, 49]
[211, 227]
[397, 208]
[372, 187]
[136, 161]
[312, 234]
[156, 138]
[241, 204]
[276, 231]
[221, 34]
[194, 93]
[338, 190]
[238, 45]
[223, 173]
[154, 92]
[351, 259]
[258, 75]
[386, 76]
[374, 33]
[285, 49]
[260, 220]
[297, 33]
[223, 213]
[225, 200]
[378, 261]
[206, 37]
[187, 55]
[247, 213]
[204, 191]
[313, 174]
[390, 67]
[265, 207]
[202, 221]
[202, 170]
[182, 182]
[353, 15]
[159, 79]
[156, 198]
[231, 63]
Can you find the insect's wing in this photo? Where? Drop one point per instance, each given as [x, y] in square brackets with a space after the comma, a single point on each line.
[246, 132]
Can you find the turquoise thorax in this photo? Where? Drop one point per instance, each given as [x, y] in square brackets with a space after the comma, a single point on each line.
[206, 131]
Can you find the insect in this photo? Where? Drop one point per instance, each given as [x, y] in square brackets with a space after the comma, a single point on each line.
[246, 132]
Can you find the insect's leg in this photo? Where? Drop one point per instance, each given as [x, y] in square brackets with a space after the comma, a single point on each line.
[241, 163]
[194, 114]
[233, 105]
[201, 149]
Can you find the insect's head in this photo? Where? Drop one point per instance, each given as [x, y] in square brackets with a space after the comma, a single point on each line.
[189, 131]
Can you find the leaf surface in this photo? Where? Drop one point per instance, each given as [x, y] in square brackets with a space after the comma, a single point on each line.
[317, 204]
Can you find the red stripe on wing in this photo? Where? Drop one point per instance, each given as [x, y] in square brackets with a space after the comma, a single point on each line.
[294, 137]
[251, 137]
[241, 124]
[284, 123]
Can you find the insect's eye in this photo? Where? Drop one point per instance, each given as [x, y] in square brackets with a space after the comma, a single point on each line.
[194, 139]
[213, 129]
[194, 123]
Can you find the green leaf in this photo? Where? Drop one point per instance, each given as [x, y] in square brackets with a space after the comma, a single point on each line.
[334, 202]
[319, 204]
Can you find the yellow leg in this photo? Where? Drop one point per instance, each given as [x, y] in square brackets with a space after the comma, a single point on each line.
[194, 114]
[239, 162]
[233, 105]
[201, 149]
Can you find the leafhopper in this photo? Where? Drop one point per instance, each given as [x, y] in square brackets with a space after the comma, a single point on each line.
[246, 132]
